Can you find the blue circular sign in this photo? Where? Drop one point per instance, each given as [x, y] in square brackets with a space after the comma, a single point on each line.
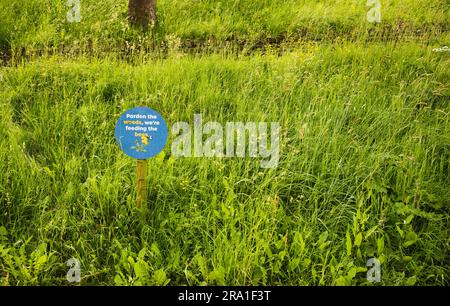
[141, 132]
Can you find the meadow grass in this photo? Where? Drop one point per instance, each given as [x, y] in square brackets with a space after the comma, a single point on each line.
[363, 170]
[365, 142]
[40, 27]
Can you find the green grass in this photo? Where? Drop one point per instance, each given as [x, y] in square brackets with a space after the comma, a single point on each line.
[36, 27]
[363, 170]
[364, 157]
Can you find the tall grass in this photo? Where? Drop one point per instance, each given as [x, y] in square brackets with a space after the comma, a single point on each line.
[30, 27]
[363, 170]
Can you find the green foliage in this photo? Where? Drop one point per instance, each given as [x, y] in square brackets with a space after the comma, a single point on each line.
[31, 28]
[364, 146]
[22, 266]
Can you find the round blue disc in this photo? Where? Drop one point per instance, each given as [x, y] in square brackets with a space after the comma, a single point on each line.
[141, 132]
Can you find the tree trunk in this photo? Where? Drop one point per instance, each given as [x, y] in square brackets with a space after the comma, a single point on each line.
[142, 12]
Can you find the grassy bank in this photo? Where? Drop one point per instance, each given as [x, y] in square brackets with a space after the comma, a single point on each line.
[39, 27]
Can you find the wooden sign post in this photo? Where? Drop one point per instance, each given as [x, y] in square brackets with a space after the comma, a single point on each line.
[141, 182]
[141, 133]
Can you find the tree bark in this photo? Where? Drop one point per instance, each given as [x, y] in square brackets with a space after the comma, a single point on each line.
[142, 12]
